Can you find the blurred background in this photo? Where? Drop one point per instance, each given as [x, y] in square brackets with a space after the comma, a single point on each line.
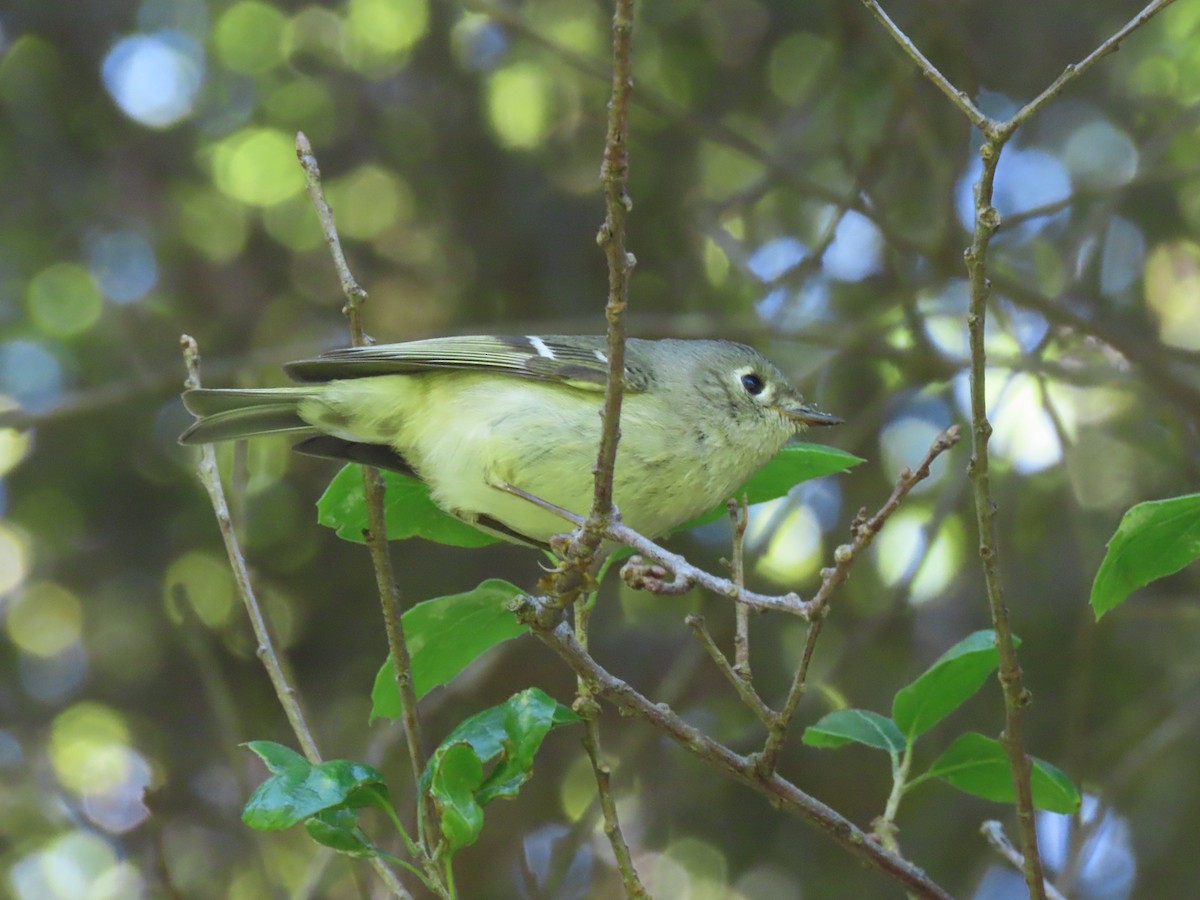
[797, 185]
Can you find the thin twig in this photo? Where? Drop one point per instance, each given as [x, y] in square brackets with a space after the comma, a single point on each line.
[957, 97]
[1016, 696]
[653, 578]
[987, 221]
[779, 792]
[739, 518]
[578, 554]
[373, 489]
[376, 535]
[1075, 70]
[608, 804]
[994, 832]
[863, 531]
[742, 685]
[210, 477]
[614, 175]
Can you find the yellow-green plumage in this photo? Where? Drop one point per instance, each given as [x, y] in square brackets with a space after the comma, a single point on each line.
[467, 414]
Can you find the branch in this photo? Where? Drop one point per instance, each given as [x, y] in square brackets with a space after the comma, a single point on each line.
[987, 221]
[863, 531]
[994, 832]
[959, 98]
[577, 555]
[373, 489]
[739, 518]
[778, 791]
[743, 686]
[1073, 71]
[582, 547]
[210, 477]
[653, 578]
[1016, 696]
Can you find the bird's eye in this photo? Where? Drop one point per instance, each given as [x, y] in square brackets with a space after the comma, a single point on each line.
[753, 384]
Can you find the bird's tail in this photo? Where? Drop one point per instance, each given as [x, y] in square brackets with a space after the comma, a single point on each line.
[230, 414]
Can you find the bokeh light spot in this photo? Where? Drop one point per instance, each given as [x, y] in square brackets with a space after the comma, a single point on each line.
[14, 559]
[45, 619]
[206, 583]
[87, 747]
[155, 78]
[248, 37]
[1100, 156]
[478, 42]
[30, 374]
[212, 223]
[122, 263]
[856, 249]
[369, 200]
[795, 546]
[69, 866]
[899, 547]
[1172, 286]
[378, 32]
[63, 300]
[257, 166]
[518, 103]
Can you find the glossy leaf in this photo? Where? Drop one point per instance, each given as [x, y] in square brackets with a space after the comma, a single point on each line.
[338, 828]
[795, 463]
[859, 726]
[1154, 539]
[297, 789]
[978, 765]
[445, 635]
[407, 508]
[454, 780]
[947, 684]
[505, 737]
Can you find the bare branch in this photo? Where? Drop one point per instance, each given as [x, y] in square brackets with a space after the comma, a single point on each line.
[743, 686]
[373, 490]
[994, 832]
[739, 518]
[778, 791]
[289, 699]
[863, 531]
[941, 82]
[1073, 71]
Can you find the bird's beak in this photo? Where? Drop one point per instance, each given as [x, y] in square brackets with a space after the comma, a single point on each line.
[809, 415]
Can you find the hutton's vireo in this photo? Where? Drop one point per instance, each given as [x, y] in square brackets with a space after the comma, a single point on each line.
[464, 414]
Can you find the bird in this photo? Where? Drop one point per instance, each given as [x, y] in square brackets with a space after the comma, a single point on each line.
[473, 416]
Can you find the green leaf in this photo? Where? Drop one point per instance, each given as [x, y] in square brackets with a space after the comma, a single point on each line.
[947, 684]
[338, 828]
[444, 636]
[1154, 540]
[789, 467]
[297, 789]
[860, 726]
[507, 737]
[407, 508]
[277, 757]
[453, 782]
[978, 765]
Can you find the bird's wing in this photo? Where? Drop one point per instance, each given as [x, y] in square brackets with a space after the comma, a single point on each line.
[578, 361]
